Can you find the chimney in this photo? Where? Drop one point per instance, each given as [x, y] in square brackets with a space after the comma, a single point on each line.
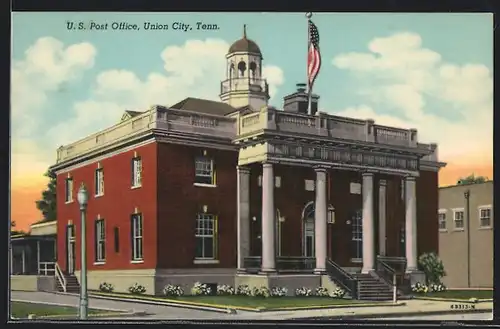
[298, 102]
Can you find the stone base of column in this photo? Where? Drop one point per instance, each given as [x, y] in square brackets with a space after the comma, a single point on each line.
[367, 270]
[241, 271]
[267, 271]
[415, 276]
[320, 271]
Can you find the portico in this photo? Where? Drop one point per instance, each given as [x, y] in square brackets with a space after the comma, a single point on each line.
[271, 145]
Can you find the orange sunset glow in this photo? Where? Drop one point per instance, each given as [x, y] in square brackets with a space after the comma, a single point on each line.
[24, 195]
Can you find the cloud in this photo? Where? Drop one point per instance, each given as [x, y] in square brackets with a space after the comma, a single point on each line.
[401, 83]
[46, 66]
[194, 69]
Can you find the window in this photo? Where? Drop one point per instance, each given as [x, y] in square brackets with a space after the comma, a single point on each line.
[205, 173]
[99, 182]
[442, 219]
[485, 216]
[117, 239]
[206, 236]
[69, 189]
[137, 237]
[100, 241]
[357, 236]
[458, 218]
[136, 172]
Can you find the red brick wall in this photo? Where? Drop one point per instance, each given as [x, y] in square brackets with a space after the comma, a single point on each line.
[179, 201]
[116, 207]
[427, 212]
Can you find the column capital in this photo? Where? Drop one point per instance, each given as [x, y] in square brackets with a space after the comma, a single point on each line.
[320, 169]
[367, 173]
[382, 182]
[410, 178]
[243, 169]
[267, 164]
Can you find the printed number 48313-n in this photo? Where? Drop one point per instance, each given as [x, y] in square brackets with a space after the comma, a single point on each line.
[463, 307]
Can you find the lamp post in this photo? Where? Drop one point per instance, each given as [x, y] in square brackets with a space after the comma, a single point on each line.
[84, 300]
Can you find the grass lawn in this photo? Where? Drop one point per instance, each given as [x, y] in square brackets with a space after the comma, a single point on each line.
[22, 310]
[268, 303]
[460, 294]
[248, 301]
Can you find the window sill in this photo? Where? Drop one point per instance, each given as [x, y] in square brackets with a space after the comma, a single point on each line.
[483, 228]
[356, 260]
[99, 263]
[206, 261]
[68, 202]
[458, 229]
[98, 195]
[135, 187]
[204, 185]
[443, 230]
[138, 261]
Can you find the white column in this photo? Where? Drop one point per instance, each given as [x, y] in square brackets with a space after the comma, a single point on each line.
[411, 224]
[268, 212]
[368, 226]
[38, 256]
[382, 204]
[243, 220]
[320, 213]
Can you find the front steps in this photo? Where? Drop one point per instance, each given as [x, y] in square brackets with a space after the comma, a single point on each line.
[372, 288]
[72, 284]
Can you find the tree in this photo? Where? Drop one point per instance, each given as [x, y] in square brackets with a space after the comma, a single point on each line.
[471, 179]
[47, 205]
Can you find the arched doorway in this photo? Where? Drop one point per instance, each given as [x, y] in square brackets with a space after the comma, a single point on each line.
[308, 243]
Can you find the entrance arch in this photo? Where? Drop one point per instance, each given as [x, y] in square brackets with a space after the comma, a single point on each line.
[308, 243]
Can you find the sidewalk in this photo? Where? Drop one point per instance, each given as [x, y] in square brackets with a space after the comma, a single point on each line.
[412, 307]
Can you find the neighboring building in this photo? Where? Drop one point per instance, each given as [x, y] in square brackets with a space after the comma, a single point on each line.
[31, 252]
[466, 235]
[210, 191]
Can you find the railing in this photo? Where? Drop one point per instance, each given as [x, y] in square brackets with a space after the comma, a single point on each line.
[392, 271]
[60, 276]
[283, 264]
[243, 83]
[47, 268]
[341, 277]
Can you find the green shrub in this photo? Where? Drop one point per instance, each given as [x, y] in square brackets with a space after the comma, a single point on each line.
[433, 268]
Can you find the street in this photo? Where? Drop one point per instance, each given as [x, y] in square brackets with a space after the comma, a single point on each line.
[158, 312]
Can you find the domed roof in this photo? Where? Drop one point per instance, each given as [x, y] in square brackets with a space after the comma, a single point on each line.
[245, 44]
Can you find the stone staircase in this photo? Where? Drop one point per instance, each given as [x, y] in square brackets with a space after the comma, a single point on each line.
[372, 288]
[72, 284]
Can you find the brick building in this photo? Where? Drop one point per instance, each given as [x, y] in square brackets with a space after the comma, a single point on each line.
[238, 191]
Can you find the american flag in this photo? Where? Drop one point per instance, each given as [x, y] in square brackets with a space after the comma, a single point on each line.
[313, 56]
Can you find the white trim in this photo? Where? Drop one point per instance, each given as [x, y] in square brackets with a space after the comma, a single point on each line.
[139, 261]
[456, 210]
[205, 261]
[93, 160]
[484, 207]
[99, 263]
[43, 224]
[204, 185]
[443, 212]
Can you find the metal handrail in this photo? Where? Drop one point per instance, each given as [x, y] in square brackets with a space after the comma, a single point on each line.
[60, 276]
[343, 278]
[44, 268]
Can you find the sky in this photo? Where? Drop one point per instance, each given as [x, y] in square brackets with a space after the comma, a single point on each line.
[429, 71]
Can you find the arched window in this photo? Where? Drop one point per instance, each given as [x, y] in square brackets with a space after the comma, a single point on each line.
[253, 69]
[242, 67]
[231, 71]
[308, 242]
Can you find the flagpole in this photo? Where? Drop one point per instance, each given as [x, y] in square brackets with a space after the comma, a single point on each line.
[309, 87]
